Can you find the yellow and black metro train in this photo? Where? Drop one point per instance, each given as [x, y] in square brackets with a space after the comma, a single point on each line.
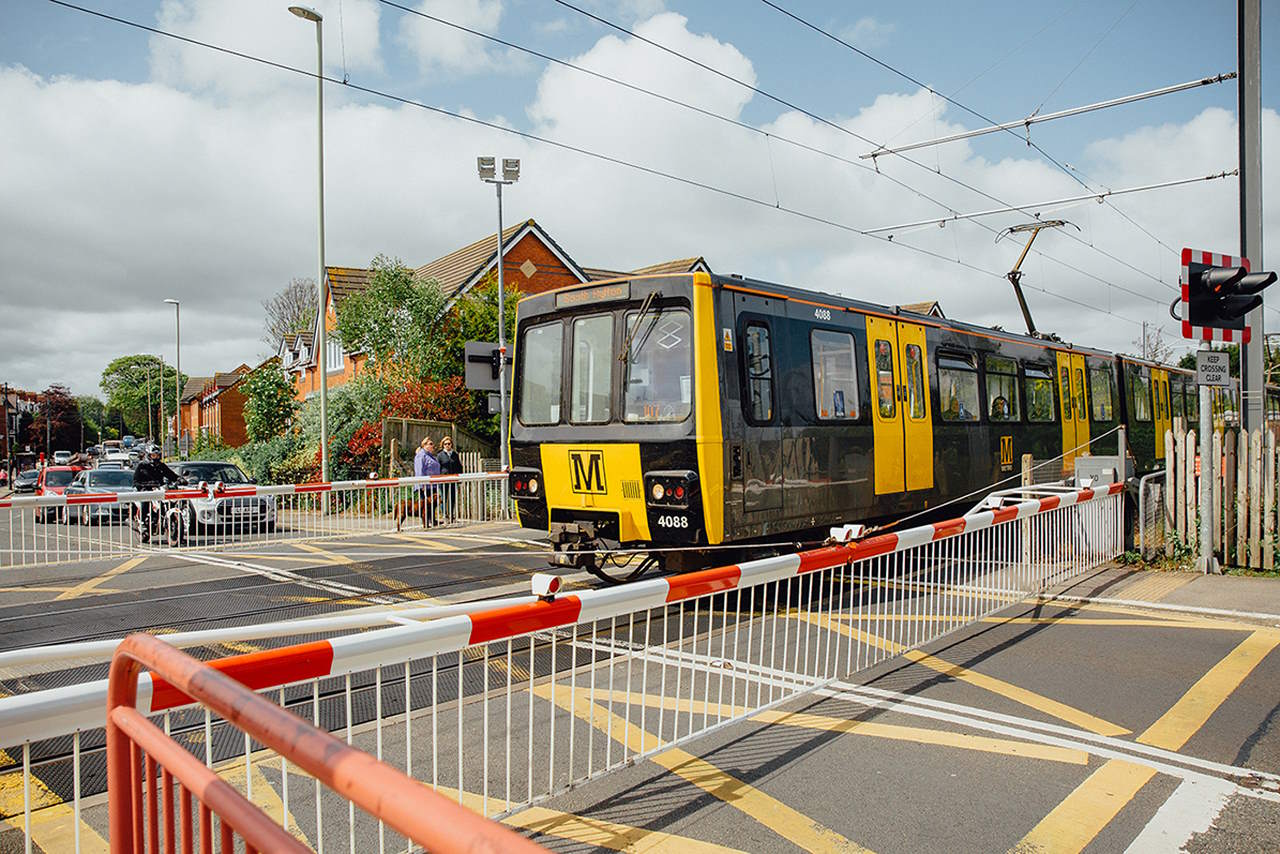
[698, 410]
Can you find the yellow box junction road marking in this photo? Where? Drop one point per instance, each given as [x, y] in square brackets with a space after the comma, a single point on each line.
[90, 585]
[920, 735]
[765, 809]
[1041, 703]
[1066, 620]
[1074, 823]
[331, 557]
[53, 824]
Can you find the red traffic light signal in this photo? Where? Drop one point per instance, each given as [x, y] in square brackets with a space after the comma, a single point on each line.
[1217, 292]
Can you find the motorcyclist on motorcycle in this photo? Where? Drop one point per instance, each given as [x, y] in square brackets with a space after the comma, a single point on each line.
[151, 473]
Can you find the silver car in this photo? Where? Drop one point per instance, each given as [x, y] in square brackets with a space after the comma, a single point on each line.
[119, 481]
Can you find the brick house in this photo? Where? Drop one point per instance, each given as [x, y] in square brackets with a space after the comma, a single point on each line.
[532, 262]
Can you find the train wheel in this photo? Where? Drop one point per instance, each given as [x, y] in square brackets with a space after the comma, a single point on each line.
[614, 573]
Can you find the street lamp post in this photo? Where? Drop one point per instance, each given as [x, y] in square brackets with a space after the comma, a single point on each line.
[322, 342]
[510, 174]
[177, 377]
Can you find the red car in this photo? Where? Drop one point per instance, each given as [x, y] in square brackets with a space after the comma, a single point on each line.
[54, 480]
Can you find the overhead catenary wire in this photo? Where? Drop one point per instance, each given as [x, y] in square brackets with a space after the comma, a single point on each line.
[953, 101]
[606, 158]
[842, 129]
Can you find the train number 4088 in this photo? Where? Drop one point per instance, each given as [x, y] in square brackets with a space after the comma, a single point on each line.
[673, 521]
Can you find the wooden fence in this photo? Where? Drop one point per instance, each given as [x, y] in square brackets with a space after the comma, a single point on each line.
[1242, 480]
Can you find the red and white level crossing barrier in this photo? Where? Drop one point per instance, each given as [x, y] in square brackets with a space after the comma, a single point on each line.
[512, 705]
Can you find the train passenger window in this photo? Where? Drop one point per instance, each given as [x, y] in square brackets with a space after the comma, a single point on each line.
[1176, 401]
[1002, 388]
[886, 387]
[1065, 388]
[1039, 389]
[957, 388]
[1141, 397]
[659, 374]
[591, 384]
[759, 371]
[914, 366]
[1192, 402]
[1078, 392]
[1103, 397]
[835, 377]
[540, 365]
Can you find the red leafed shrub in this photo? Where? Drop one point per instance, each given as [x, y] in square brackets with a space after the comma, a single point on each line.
[364, 450]
[430, 400]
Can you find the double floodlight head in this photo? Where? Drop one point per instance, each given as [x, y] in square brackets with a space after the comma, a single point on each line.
[488, 169]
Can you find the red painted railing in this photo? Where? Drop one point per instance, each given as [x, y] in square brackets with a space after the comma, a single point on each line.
[144, 766]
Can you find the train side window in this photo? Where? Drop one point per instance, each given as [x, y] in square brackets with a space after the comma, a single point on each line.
[1039, 388]
[914, 366]
[1002, 388]
[886, 388]
[835, 377]
[1065, 393]
[1176, 400]
[591, 385]
[957, 388]
[1141, 397]
[1192, 405]
[540, 368]
[1103, 394]
[758, 356]
[1079, 393]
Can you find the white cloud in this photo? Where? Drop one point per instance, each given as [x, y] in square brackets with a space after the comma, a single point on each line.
[261, 29]
[439, 47]
[119, 195]
[868, 32]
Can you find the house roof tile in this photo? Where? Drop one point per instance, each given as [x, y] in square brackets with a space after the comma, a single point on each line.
[194, 386]
[457, 268]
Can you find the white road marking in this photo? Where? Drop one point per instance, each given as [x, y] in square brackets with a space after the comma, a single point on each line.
[1192, 808]
[288, 576]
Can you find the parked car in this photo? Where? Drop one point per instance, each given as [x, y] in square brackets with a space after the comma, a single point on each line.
[54, 480]
[99, 480]
[254, 512]
[128, 442]
[61, 458]
[25, 481]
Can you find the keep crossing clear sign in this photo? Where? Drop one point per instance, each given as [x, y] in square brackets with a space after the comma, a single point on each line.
[1213, 368]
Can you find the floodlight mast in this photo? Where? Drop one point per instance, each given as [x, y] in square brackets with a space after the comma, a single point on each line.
[487, 169]
[1015, 275]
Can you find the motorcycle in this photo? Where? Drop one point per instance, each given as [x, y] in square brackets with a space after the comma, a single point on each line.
[160, 517]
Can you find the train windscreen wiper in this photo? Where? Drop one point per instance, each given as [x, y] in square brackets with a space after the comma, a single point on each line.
[625, 355]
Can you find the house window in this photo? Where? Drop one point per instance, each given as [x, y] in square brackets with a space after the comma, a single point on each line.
[333, 355]
[835, 380]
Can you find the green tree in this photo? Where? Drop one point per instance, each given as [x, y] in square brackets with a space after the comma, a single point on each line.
[126, 381]
[474, 317]
[269, 403]
[397, 322]
[93, 412]
[56, 426]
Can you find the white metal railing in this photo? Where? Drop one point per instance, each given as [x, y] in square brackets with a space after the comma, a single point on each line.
[59, 528]
[505, 708]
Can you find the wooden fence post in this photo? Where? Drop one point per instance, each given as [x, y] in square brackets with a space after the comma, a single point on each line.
[393, 460]
[1269, 502]
[1192, 497]
[1242, 498]
[1228, 496]
[1255, 500]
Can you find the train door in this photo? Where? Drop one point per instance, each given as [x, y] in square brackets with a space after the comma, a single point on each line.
[1160, 407]
[762, 481]
[1080, 401]
[902, 424]
[1075, 420]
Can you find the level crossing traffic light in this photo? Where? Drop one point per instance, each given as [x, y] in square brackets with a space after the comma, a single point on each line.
[1218, 291]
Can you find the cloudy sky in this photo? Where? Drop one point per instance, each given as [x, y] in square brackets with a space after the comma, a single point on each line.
[134, 167]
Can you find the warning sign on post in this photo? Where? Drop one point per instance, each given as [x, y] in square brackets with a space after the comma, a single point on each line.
[1213, 368]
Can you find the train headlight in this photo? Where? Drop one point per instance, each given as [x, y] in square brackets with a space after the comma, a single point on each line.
[658, 492]
[533, 486]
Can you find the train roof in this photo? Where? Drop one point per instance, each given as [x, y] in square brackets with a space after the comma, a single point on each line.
[791, 292]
